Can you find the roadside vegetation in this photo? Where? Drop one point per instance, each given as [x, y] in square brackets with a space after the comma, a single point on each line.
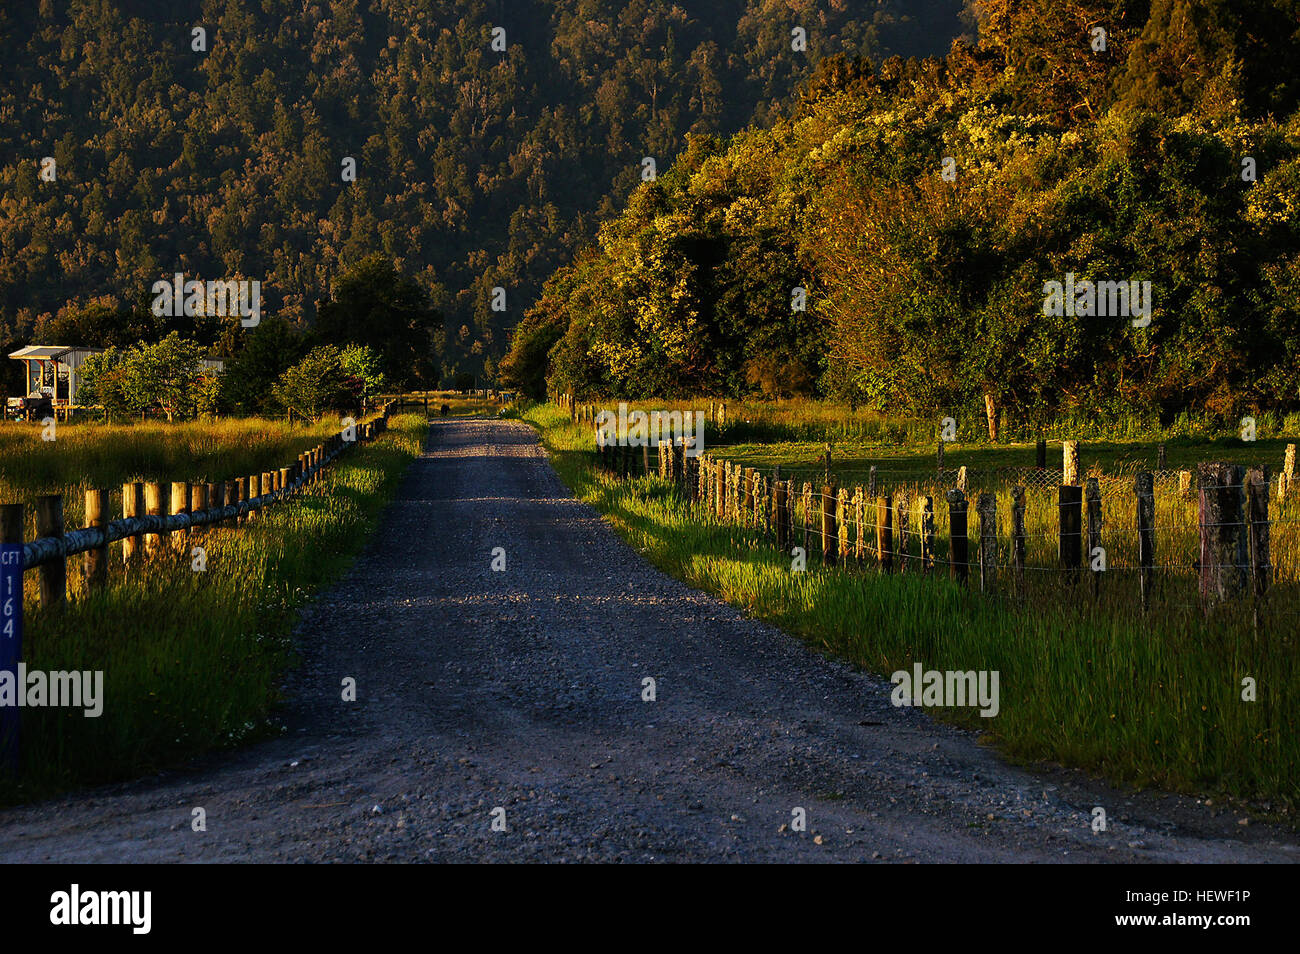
[1150, 699]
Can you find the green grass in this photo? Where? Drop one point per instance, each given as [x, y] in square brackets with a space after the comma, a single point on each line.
[193, 661]
[1145, 700]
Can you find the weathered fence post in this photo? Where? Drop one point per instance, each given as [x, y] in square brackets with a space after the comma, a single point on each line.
[1144, 485]
[788, 516]
[153, 507]
[1070, 545]
[807, 496]
[1069, 463]
[830, 530]
[268, 478]
[239, 495]
[180, 503]
[938, 456]
[1223, 538]
[902, 503]
[1018, 539]
[1257, 529]
[987, 508]
[927, 533]
[843, 542]
[860, 519]
[871, 483]
[961, 478]
[1184, 483]
[958, 556]
[1040, 457]
[1288, 472]
[1161, 461]
[885, 533]
[53, 574]
[97, 557]
[132, 506]
[1093, 493]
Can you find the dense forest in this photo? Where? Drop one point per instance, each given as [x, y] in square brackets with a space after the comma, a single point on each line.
[890, 239]
[483, 159]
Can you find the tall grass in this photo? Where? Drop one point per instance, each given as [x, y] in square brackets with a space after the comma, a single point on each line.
[193, 660]
[1152, 699]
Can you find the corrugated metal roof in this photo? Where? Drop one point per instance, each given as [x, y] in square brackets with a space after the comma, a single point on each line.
[50, 352]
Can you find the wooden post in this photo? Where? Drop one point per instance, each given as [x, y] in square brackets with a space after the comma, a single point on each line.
[959, 555]
[1070, 547]
[961, 478]
[885, 532]
[1160, 457]
[860, 519]
[1069, 463]
[938, 455]
[180, 503]
[1040, 457]
[1184, 483]
[871, 483]
[927, 533]
[132, 506]
[1223, 537]
[987, 508]
[779, 514]
[153, 507]
[240, 494]
[830, 529]
[902, 504]
[1144, 485]
[286, 478]
[1257, 480]
[751, 488]
[97, 557]
[1288, 472]
[807, 516]
[1093, 493]
[1018, 538]
[54, 574]
[790, 505]
[645, 459]
[268, 479]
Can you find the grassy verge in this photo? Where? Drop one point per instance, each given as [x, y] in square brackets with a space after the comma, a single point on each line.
[193, 660]
[1144, 700]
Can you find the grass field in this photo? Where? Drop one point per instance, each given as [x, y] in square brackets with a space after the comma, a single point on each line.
[1152, 699]
[191, 660]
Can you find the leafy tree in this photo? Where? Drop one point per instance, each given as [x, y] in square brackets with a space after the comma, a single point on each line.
[316, 384]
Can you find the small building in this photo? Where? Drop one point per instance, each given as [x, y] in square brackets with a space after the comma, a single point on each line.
[53, 373]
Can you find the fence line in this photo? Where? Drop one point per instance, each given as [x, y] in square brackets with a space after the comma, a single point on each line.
[191, 505]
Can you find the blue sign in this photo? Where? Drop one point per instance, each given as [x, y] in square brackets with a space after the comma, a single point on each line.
[11, 648]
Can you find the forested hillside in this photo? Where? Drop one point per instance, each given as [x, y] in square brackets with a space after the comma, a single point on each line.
[475, 167]
[918, 209]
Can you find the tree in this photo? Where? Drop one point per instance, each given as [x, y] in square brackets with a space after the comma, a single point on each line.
[316, 384]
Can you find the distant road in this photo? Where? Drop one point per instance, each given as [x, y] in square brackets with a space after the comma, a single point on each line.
[522, 689]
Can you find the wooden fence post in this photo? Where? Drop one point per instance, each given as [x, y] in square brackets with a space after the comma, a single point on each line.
[1070, 545]
[54, 574]
[987, 508]
[926, 529]
[240, 495]
[1093, 493]
[1288, 472]
[904, 502]
[961, 478]
[1144, 485]
[153, 507]
[1040, 456]
[871, 483]
[1069, 463]
[788, 516]
[1161, 463]
[179, 503]
[959, 556]
[778, 513]
[132, 506]
[843, 542]
[830, 530]
[198, 500]
[1223, 538]
[97, 557]
[1184, 483]
[938, 456]
[860, 519]
[885, 532]
[807, 517]
[1257, 481]
[1018, 538]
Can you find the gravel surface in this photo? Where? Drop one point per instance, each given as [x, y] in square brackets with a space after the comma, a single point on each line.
[522, 690]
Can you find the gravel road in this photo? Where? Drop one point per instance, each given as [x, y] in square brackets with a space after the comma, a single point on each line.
[522, 690]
